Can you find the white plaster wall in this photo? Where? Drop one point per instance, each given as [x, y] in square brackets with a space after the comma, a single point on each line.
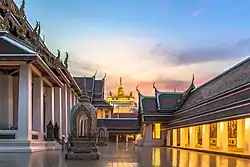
[6, 100]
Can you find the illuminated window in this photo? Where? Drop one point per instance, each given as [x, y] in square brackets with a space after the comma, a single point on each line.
[156, 131]
[106, 114]
[99, 114]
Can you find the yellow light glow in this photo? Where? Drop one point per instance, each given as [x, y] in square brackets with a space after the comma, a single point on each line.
[247, 123]
[157, 131]
[221, 126]
[156, 157]
[138, 136]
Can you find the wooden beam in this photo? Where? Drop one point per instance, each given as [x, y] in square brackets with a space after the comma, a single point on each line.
[35, 70]
[12, 63]
[47, 82]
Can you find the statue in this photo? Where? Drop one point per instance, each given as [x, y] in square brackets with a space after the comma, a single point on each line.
[84, 147]
[66, 60]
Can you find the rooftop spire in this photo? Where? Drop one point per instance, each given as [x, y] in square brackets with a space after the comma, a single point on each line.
[120, 81]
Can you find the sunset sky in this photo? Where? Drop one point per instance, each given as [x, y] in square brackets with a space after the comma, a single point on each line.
[146, 41]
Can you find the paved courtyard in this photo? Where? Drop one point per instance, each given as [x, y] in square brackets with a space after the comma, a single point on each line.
[124, 155]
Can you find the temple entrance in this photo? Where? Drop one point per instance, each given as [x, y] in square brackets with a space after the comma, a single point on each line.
[82, 121]
[213, 135]
[232, 134]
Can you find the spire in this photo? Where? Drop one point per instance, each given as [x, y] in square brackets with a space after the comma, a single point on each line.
[84, 97]
[120, 81]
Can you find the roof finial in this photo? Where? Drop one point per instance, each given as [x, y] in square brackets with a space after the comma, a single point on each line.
[156, 90]
[137, 89]
[120, 81]
[95, 74]
[104, 76]
[193, 79]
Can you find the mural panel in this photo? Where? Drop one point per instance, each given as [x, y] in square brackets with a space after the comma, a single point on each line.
[213, 134]
[232, 133]
[199, 135]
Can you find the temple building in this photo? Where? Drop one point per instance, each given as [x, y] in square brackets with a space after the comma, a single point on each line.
[121, 122]
[212, 117]
[36, 89]
[95, 89]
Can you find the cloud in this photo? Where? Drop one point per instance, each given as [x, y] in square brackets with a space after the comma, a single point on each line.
[239, 49]
[197, 12]
[143, 60]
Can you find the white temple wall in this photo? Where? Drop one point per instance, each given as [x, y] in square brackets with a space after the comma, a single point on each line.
[6, 101]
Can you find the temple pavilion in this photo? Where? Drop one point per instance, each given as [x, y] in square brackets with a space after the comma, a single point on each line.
[212, 117]
[36, 89]
[121, 122]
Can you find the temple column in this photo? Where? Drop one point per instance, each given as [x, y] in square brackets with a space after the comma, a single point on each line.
[247, 136]
[15, 100]
[205, 136]
[6, 94]
[168, 137]
[223, 136]
[37, 114]
[126, 138]
[218, 135]
[73, 98]
[193, 136]
[69, 107]
[174, 137]
[76, 99]
[240, 133]
[25, 103]
[58, 109]
[183, 137]
[64, 111]
[117, 138]
[49, 111]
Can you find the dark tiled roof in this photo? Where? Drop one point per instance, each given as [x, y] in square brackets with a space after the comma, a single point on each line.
[118, 124]
[98, 86]
[230, 79]
[148, 105]
[101, 103]
[124, 115]
[95, 89]
[168, 101]
[8, 48]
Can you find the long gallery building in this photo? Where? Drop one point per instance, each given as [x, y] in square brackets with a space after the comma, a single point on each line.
[214, 116]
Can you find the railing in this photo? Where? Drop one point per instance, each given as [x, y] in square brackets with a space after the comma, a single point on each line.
[8, 131]
[6, 126]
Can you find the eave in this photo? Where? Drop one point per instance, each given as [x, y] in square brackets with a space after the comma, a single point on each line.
[72, 83]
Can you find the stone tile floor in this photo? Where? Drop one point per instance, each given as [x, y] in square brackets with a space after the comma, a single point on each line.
[124, 155]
